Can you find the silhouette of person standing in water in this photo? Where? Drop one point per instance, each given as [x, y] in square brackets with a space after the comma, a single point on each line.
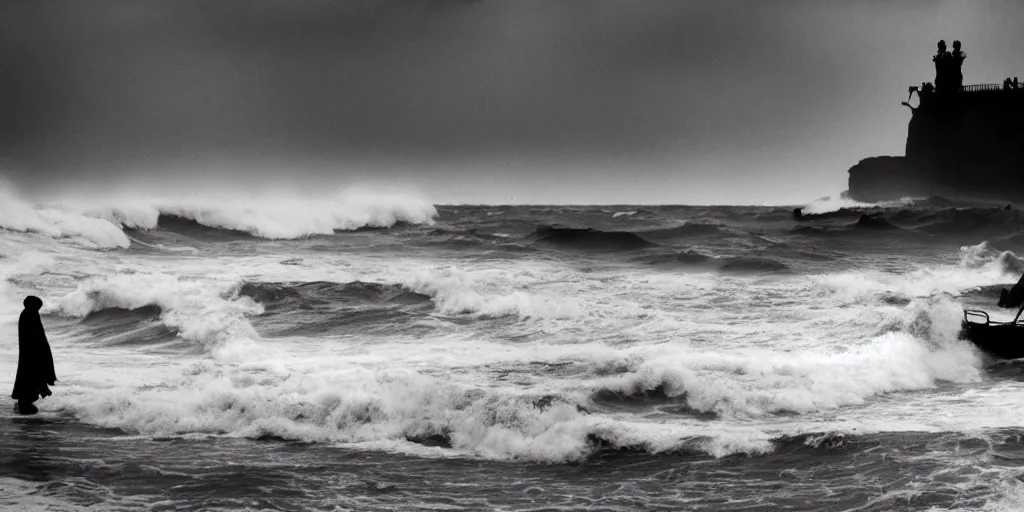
[35, 361]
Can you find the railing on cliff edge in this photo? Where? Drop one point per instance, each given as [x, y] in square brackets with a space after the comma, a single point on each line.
[975, 88]
[984, 87]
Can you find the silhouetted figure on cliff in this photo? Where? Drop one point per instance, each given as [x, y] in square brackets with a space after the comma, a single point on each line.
[956, 63]
[948, 75]
[35, 361]
[1016, 83]
[941, 59]
[924, 93]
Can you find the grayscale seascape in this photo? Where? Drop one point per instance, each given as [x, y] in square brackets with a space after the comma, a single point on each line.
[694, 358]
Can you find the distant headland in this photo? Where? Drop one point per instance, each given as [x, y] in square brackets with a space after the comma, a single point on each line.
[963, 141]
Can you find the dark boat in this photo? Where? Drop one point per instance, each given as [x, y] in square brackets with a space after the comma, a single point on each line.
[999, 339]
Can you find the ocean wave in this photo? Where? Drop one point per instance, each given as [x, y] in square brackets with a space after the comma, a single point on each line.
[591, 239]
[122, 327]
[100, 223]
[332, 400]
[969, 220]
[685, 230]
[276, 296]
[399, 410]
[842, 205]
[16, 214]
[452, 291]
[832, 204]
[328, 398]
[914, 350]
[679, 258]
[728, 264]
[875, 222]
[752, 264]
[486, 294]
[281, 217]
[985, 256]
[203, 313]
[461, 238]
[867, 224]
[936, 217]
[313, 308]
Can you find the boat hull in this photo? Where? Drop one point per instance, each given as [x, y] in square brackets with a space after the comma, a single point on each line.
[1004, 341]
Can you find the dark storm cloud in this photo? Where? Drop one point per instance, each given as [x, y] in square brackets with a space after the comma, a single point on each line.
[636, 96]
[128, 79]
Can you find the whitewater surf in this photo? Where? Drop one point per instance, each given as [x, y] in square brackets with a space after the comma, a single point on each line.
[358, 352]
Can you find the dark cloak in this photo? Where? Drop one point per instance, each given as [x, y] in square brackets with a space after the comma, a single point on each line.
[35, 361]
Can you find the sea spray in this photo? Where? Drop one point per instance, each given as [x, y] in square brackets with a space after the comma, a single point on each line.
[16, 214]
[197, 311]
[281, 217]
[97, 223]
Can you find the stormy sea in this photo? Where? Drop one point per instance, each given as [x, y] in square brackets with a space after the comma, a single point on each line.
[378, 352]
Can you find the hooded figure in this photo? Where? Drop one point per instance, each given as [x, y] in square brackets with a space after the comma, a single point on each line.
[35, 361]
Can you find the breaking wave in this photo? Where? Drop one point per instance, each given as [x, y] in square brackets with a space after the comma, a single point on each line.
[100, 224]
[916, 349]
[18, 215]
[283, 296]
[333, 400]
[280, 217]
[201, 313]
[311, 308]
[985, 256]
[536, 359]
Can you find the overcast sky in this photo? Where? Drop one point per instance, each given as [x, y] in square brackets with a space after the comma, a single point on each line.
[540, 101]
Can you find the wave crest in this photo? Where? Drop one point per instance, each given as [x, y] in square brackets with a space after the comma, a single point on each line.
[197, 311]
[16, 214]
[985, 256]
[278, 217]
[100, 224]
[914, 350]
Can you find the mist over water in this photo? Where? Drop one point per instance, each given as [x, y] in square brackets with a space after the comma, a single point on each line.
[377, 327]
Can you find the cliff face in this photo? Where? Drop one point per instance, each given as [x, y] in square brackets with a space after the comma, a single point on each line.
[967, 145]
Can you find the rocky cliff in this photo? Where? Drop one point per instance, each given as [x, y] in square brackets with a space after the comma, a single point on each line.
[965, 145]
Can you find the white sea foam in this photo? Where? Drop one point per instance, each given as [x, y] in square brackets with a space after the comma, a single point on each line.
[340, 403]
[745, 348]
[97, 222]
[197, 310]
[919, 351]
[490, 293]
[991, 260]
[312, 395]
[278, 217]
[56, 222]
[832, 204]
[980, 265]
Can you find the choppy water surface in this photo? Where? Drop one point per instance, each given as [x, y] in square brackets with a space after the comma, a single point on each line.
[395, 354]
